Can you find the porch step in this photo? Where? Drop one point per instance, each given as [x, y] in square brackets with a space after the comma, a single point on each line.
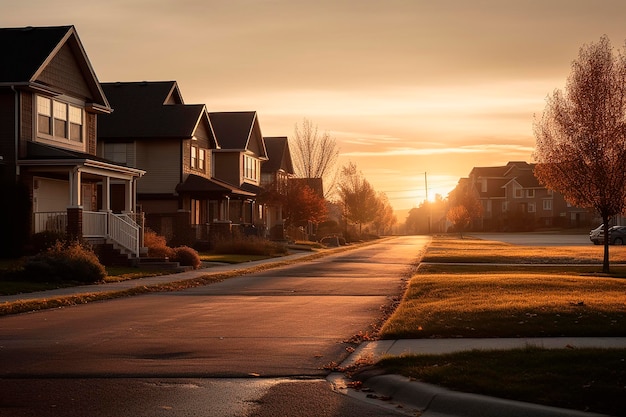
[110, 255]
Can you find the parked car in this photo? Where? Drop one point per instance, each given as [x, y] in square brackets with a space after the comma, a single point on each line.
[597, 235]
[617, 235]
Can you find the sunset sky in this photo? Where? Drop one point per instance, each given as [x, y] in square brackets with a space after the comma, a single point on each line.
[406, 87]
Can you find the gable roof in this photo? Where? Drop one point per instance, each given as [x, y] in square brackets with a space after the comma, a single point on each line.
[234, 130]
[149, 110]
[279, 156]
[27, 52]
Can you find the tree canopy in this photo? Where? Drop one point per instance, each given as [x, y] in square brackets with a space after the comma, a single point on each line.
[581, 136]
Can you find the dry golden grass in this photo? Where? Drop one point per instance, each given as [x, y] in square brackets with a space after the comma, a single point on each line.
[514, 301]
[448, 249]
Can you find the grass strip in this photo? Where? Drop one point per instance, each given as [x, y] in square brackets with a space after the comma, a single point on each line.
[592, 380]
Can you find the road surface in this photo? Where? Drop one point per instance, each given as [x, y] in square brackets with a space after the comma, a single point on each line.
[250, 345]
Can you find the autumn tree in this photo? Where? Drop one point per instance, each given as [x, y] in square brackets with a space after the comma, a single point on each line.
[301, 204]
[460, 218]
[581, 136]
[385, 218]
[315, 155]
[357, 196]
[464, 205]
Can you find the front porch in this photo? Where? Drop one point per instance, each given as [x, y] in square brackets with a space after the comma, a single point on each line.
[124, 230]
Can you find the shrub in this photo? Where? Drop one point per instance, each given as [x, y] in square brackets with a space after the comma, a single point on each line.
[157, 245]
[45, 240]
[65, 262]
[187, 256]
[249, 246]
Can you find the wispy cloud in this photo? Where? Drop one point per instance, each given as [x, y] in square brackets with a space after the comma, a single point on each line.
[466, 149]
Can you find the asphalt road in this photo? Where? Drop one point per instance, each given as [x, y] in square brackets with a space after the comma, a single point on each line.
[230, 348]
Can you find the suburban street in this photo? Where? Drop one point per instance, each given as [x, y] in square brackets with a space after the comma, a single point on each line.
[259, 344]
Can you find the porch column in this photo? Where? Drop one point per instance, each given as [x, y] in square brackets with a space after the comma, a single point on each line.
[75, 187]
[106, 194]
[128, 200]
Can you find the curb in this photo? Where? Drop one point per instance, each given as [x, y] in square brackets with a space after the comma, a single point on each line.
[434, 401]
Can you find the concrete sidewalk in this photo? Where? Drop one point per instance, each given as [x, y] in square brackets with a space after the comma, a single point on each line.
[113, 287]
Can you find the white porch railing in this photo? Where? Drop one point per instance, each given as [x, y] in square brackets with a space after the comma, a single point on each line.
[120, 228]
[53, 221]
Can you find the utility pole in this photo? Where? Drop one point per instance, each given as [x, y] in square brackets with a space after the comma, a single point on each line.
[427, 202]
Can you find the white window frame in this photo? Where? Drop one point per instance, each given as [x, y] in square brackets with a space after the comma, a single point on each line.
[194, 157]
[518, 192]
[201, 159]
[530, 193]
[250, 168]
[61, 118]
[547, 204]
[532, 207]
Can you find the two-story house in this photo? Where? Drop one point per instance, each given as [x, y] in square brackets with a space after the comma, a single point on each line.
[513, 199]
[154, 130]
[50, 99]
[238, 161]
[275, 175]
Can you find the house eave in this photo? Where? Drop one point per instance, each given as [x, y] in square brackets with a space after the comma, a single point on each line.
[88, 163]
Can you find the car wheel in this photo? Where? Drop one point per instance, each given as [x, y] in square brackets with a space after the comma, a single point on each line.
[618, 241]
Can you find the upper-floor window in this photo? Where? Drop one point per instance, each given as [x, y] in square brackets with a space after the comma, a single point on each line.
[198, 158]
[519, 193]
[547, 204]
[530, 193]
[251, 168]
[59, 120]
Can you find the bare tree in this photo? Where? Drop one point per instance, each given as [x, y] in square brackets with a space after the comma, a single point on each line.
[315, 155]
[581, 136]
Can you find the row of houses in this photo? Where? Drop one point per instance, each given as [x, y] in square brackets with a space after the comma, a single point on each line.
[512, 199]
[94, 158]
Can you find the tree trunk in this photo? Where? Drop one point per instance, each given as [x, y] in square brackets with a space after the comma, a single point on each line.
[605, 262]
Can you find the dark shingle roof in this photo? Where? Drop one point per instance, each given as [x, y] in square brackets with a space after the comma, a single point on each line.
[139, 111]
[232, 129]
[278, 154]
[199, 185]
[24, 50]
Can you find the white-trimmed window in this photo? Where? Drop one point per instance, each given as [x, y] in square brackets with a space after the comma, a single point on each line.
[250, 168]
[531, 207]
[194, 157]
[59, 120]
[547, 204]
[530, 193]
[76, 124]
[519, 193]
[202, 159]
[44, 115]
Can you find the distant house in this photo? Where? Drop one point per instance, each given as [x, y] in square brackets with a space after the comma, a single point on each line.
[50, 100]
[154, 130]
[276, 173]
[513, 199]
[238, 160]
